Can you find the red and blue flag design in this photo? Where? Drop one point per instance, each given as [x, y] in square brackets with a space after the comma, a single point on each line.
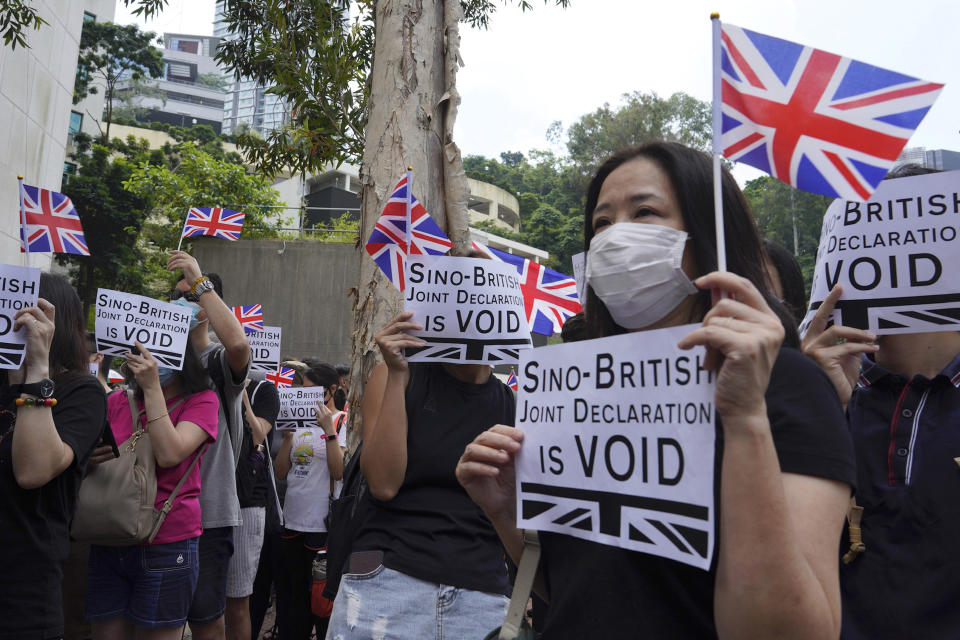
[250, 317]
[213, 221]
[815, 120]
[387, 244]
[52, 223]
[549, 296]
[282, 378]
[512, 381]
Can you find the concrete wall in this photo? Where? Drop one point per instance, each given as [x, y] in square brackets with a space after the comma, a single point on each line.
[303, 287]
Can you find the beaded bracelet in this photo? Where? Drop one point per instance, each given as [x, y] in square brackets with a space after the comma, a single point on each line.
[36, 402]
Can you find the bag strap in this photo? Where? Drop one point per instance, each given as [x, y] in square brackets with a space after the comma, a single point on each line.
[522, 587]
[854, 515]
[168, 503]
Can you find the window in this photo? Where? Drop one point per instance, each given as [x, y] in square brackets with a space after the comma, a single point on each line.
[178, 70]
[69, 169]
[186, 46]
[76, 121]
[89, 17]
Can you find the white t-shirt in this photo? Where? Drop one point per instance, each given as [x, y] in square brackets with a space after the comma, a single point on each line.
[308, 482]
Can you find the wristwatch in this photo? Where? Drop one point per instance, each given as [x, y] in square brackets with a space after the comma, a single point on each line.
[42, 389]
[200, 287]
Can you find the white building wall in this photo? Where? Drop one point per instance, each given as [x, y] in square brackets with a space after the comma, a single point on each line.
[36, 96]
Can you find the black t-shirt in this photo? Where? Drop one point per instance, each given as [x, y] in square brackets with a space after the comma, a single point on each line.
[432, 530]
[253, 483]
[606, 592]
[35, 523]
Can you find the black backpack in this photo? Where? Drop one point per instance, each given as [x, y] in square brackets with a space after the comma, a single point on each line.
[347, 514]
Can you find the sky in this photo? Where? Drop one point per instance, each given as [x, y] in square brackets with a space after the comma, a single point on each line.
[533, 68]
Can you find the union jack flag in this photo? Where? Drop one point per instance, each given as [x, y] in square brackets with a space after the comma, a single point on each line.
[387, 244]
[815, 120]
[250, 317]
[216, 222]
[53, 225]
[281, 378]
[549, 296]
[512, 381]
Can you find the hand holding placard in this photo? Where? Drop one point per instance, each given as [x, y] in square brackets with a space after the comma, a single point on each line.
[38, 322]
[393, 339]
[837, 349]
[743, 337]
[144, 368]
[19, 287]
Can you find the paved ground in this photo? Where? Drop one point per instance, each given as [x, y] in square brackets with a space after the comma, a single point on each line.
[267, 624]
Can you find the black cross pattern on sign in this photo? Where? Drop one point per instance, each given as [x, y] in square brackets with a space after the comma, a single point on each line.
[499, 350]
[643, 515]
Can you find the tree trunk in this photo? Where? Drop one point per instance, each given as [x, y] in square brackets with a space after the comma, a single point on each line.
[412, 108]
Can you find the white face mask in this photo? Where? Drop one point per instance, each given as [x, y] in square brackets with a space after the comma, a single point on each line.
[635, 270]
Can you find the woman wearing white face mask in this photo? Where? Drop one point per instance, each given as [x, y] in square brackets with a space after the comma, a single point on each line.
[784, 457]
[146, 590]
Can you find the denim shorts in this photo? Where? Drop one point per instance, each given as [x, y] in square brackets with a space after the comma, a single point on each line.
[389, 604]
[149, 585]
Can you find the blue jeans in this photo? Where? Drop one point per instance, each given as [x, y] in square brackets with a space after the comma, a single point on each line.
[149, 585]
[388, 605]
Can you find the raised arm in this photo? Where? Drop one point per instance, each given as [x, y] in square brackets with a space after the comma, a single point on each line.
[777, 570]
[334, 452]
[221, 319]
[39, 454]
[384, 459]
[172, 444]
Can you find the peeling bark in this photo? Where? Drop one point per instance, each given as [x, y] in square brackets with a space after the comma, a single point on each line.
[412, 110]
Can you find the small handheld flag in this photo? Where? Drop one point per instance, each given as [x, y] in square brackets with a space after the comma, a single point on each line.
[388, 242]
[549, 296]
[213, 221]
[250, 317]
[815, 120]
[49, 223]
[512, 380]
[281, 378]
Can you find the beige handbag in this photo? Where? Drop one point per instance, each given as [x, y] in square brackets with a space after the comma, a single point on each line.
[117, 497]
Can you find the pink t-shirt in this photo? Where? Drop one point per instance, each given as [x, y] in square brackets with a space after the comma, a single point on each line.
[201, 408]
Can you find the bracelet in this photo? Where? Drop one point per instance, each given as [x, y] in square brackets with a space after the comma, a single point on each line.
[164, 415]
[193, 287]
[328, 438]
[36, 402]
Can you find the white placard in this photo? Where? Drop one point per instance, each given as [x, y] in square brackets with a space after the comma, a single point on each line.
[897, 257]
[265, 349]
[620, 443]
[19, 287]
[124, 318]
[297, 407]
[93, 368]
[580, 275]
[471, 310]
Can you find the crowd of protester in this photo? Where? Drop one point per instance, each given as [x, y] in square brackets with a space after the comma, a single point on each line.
[837, 462]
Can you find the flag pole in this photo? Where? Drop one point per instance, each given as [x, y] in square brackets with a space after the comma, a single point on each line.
[717, 147]
[407, 248]
[24, 236]
[180, 244]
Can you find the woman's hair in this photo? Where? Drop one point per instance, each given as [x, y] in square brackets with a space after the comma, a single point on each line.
[68, 350]
[323, 375]
[791, 277]
[193, 377]
[691, 175]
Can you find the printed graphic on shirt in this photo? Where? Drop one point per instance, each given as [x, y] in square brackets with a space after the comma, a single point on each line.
[302, 453]
[620, 444]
